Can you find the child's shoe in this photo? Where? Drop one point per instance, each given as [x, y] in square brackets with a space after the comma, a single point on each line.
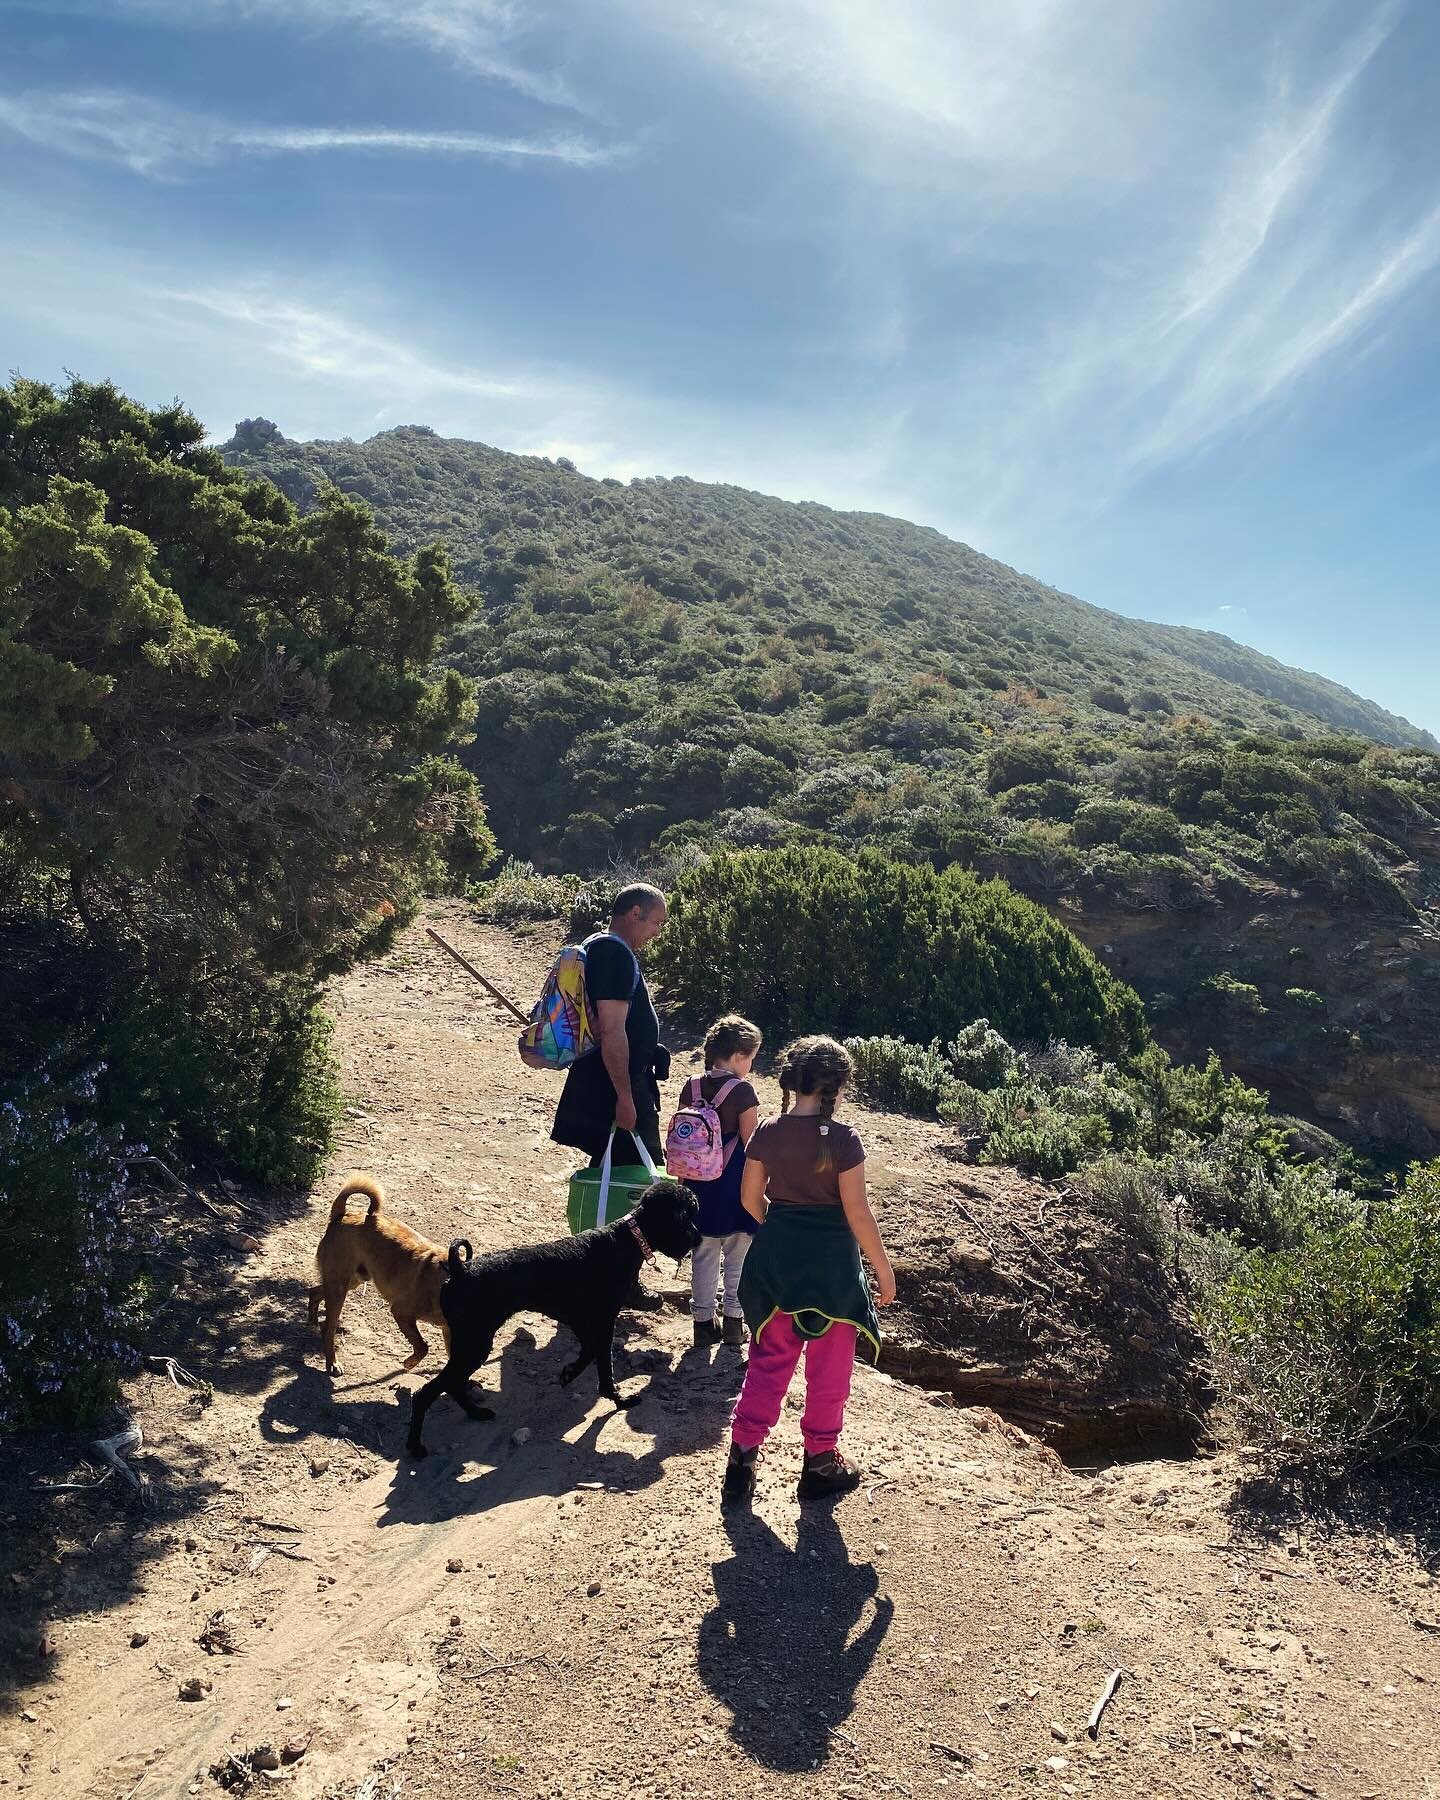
[707, 1332]
[734, 1333]
[827, 1475]
[738, 1488]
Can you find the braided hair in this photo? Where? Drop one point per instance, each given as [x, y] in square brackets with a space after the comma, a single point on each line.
[815, 1065]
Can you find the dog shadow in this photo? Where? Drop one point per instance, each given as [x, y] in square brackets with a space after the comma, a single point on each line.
[776, 1648]
[681, 1408]
[314, 1405]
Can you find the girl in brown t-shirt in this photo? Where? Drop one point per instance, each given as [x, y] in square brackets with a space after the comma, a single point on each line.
[803, 1288]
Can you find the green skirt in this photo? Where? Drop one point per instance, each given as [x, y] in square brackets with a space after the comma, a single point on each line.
[805, 1262]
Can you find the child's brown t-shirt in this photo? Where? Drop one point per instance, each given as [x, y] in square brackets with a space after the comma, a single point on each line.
[789, 1147]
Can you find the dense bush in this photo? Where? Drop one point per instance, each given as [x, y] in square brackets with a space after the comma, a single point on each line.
[226, 782]
[1330, 1351]
[891, 1072]
[809, 939]
[1163, 1144]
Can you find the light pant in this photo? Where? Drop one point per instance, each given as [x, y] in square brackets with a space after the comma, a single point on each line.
[706, 1260]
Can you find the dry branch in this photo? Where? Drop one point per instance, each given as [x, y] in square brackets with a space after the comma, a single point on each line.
[1106, 1696]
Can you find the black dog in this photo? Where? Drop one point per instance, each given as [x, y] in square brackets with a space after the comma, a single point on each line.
[579, 1281]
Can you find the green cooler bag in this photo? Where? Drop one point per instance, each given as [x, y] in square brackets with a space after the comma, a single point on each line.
[600, 1196]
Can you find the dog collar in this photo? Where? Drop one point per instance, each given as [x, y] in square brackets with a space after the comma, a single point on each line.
[646, 1253]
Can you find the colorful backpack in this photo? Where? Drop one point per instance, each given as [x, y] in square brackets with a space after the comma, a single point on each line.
[695, 1147]
[561, 1029]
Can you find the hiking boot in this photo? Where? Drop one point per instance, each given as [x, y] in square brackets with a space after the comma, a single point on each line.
[738, 1488]
[640, 1299]
[734, 1332]
[707, 1332]
[826, 1475]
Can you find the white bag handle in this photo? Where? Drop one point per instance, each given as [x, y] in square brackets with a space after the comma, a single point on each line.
[603, 1198]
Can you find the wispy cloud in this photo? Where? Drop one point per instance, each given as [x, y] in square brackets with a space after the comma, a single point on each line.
[157, 140]
[1195, 284]
[485, 37]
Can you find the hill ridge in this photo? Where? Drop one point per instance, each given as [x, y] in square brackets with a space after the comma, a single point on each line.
[1356, 710]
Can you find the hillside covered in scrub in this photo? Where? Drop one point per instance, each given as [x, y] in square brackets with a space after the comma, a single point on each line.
[1255, 849]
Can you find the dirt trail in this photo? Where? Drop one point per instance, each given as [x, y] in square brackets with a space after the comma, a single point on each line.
[570, 1614]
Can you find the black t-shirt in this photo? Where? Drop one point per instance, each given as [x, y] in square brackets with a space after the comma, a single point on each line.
[610, 971]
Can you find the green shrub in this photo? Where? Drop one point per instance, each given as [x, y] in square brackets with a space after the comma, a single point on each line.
[1129, 824]
[890, 1072]
[1330, 1352]
[1306, 998]
[237, 1066]
[1023, 761]
[1109, 699]
[809, 939]
[518, 894]
[980, 1057]
[1234, 995]
[1045, 1144]
[1043, 800]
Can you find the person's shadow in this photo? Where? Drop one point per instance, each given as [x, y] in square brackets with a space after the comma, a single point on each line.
[776, 1648]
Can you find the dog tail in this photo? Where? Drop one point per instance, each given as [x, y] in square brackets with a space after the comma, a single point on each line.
[460, 1255]
[358, 1184]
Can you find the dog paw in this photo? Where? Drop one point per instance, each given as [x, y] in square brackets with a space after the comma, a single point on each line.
[568, 1374]
[333, 1370]
[410, 1361]
[416, 1452]
[481, 1412]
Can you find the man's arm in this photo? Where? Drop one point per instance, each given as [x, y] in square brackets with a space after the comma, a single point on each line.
[615, 1053]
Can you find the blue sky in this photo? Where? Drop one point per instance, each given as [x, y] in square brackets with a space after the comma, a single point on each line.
[1140, 297]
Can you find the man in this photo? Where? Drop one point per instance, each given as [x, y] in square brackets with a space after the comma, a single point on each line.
[619, 1086]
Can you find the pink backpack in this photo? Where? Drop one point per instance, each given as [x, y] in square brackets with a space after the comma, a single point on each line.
[695, 1147]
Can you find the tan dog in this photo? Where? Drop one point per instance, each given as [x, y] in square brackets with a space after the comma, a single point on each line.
[407, 1270]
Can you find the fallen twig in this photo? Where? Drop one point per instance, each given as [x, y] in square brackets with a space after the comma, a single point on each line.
[505, 1668]
[181, 1377]
[72, 1487]
[960, 1756]
[1039, 1249]
[878, 1488]
[273, 1525]
[1107, 1695]
[114, 1449]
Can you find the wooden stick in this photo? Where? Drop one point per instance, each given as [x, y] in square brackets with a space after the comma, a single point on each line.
[470, 969]
[1093, 1726]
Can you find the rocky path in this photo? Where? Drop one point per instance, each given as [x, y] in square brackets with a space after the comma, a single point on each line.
[553, 1605]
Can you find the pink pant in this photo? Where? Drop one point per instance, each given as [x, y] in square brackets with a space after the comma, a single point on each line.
[829, 1364]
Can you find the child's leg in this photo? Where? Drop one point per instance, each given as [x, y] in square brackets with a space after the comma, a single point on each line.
[736, 1246]
[773, 1357]
[829, 1364]
[705, 1276]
